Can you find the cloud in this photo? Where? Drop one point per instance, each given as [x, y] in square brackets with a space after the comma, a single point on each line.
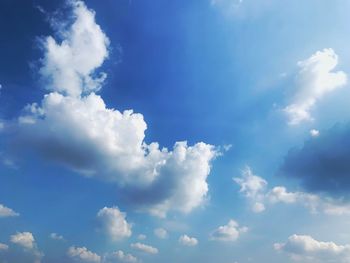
[188, 241]
[307, 249]
[26, 240]
[3, 247]
[141, 237]
[161, 233]
[322, 165]
[279, 194]
[114, 223]
[56, 236]
[144, 248]
[73, 126]
[229, 232]
[120, 257]
[82, 254]
[69, 65]
[314, 133]
[252, 187]
[7, 212]
[315, 79]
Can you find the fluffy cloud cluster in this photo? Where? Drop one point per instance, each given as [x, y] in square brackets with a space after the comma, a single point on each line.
[7, 212]
[82, 254]
[144, 248]
[229, 232]
[314, 80]
[188, 241]
[306, 249]
[114, 223]
[73, 126]
[255, 190]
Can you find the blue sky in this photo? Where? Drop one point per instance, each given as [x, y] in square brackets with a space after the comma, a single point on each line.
[174, 131]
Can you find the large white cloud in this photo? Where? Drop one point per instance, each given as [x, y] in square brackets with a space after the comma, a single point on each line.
[229, 232]
[314, 80]
[7, 212]
[73, 126]
[306, 249]
[114, 223]
[82, 254]
[69, 65]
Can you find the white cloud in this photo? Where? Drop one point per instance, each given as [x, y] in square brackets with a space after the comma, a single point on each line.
[24, 239]
[7, 212]
[120, 257]
[307, 249]
[56, 236]
[229, 232]
[82, 254]
[161, 233]
[69, 66]
[314, 133]
[188, 241]
[314, 80]
[73, 126]
[27, 241]
[3, 247]
[114, 223]
[252, 187]
[144, 248]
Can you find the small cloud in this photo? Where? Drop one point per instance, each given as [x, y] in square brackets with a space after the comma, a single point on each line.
[3, 247]
[188, 241]
[314, 133]
[82, 254]
[144, 248]
[229, 232]
[160, 233]
[7, 212]
[56, 236]
[119, 257]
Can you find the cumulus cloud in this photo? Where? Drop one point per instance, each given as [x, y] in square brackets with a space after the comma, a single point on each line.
[26, 240]
[280, 194]
[307, 249]
[315, 79]
[188, 241]
[73, 126]
[82, 254]
[69, 65]
[144, 248]
[7, 212]
[119, 257]
[114, 223]
[322, 165]
[229, 232]
[3, 247]
[161, 233]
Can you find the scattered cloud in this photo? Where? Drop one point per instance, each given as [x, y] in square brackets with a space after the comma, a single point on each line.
[56, 236]
[306, 249]
[314, 80]
[144, 248]
[229, 232]
[161, 233]
[26, 240]
[82, 254]
[114, 223]
[3, 247]
[188, 241]
[7, 212]
[314, 133]
[120, 257]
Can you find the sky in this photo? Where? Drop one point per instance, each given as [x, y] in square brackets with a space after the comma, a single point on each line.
[174, 131]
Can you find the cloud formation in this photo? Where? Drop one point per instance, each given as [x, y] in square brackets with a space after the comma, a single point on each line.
[27, 242]
[306, 249]
[82, 254]
[185, 240]
[229, 232]
[114, 223]
[119, 257]
[73, 126]
[144, 248]
[315, 79]
[7, 212]
[3, 247]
